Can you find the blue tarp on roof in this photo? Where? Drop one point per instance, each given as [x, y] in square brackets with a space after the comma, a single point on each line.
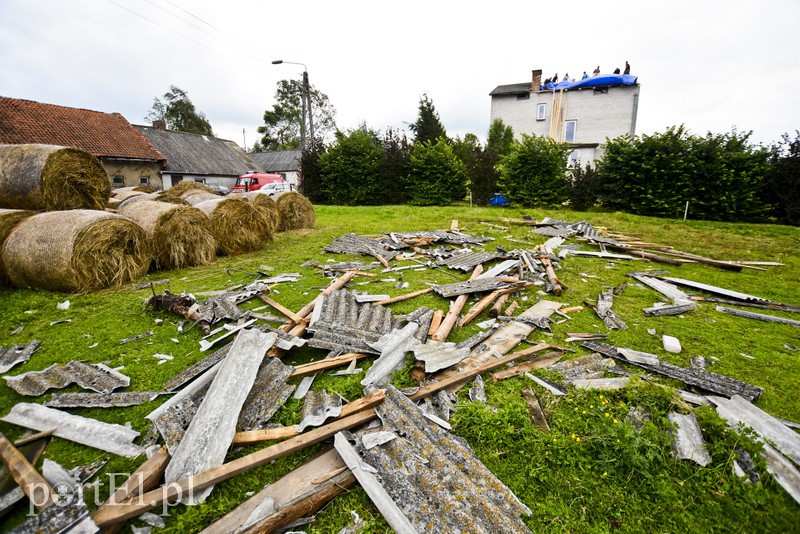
[600, 80]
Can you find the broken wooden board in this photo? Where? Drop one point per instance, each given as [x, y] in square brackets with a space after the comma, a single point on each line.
[298, 494]
[214, 424]
[37, 489]
[785, 473]
[10, 492]
[669, 309]
[688, 441]
[522, 368]
[478, 285]
[706, 380]
[113, 438]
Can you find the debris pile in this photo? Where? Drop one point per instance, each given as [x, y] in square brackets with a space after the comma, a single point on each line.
[396, 444]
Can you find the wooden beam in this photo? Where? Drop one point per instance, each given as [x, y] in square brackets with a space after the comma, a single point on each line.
[327, 363]
[524, 367]
[34, 485]
[484, 303]
[456, 306]
[401, 298]
[281, 308]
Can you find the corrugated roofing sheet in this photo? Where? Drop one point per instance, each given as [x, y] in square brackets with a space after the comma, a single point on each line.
[359, 245]
[480, 285]
[431, 478]
[466, 261]
[97, 377]
[16, 354]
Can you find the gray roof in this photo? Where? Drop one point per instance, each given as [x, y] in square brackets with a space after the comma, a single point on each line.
[278, 160]
[511, 89]
[189, 153]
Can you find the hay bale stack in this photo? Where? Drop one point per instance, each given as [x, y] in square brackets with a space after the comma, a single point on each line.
[183, 188]
[48, 177]
[140, 188]
[117, 199]
[296, 211]
[179, 236]
[9, 219]
[268, 207]
[238, 226]
[197, 197]
[77, 250]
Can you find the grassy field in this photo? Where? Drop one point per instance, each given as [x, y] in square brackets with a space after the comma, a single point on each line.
[592, 473]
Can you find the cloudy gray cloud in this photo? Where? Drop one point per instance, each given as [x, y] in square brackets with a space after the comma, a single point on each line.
[710, 65]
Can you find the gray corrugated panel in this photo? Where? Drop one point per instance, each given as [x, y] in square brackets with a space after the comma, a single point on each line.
[344, 325]
[16, 354]
[665, 288]
[317, 407]
[444, 236]
[411, 469]
[423, 316]
[713, 289]
[359, 245]
[197, 368]
[471, 286]
[610, 318]
[68, 516]
[466, 261]
[116, 439]
[582, 367]
[500, 268]
[269, 392]
[688, 441]
[96, 377]
[100, 400]
[439, 356]
[554, 231]
[393, 348]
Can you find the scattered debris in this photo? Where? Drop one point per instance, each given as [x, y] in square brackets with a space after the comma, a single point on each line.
[535, 409]
[101, 400]
[671, 344]
[758, 316]
[97, 377]
[556, 389]
[601, 383]
[688, 441]
[135, 338]
[318, 407]
[477, 393]
[610, 318]
[16, 354]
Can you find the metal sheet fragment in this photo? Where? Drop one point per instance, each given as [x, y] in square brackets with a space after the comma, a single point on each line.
[318, 407]
[407, 482]
[688, 441]
[101, 400]
[16, 354]
[97, 377]
[107, 437]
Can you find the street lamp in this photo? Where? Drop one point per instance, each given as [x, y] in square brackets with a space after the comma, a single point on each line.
[305, 100]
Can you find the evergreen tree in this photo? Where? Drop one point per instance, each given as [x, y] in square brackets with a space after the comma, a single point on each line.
[428, 127]
[281, 129]
[500, 138]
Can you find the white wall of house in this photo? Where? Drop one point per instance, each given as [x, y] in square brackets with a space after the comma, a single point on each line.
[597, 114]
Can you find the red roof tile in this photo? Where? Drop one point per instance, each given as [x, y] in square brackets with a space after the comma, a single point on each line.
[100, 134]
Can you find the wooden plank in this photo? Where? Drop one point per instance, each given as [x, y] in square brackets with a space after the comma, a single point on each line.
[117, 512]
[327, 363]
[497, 308]
[484, 303]
[401, 298]
[522, 368]
[436, 321]
[281, 308]
[378, 257]
[456, 306]
[34, 485]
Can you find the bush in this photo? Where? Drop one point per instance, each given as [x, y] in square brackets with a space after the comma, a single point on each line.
[311, 185]
[351, 169]
[436, 176]
[584, 188]
[534, 172]
[782, 187]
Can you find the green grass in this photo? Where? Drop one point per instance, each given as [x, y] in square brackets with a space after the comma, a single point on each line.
[592, 473]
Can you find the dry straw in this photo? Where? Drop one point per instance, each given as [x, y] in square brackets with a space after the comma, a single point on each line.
[180, 236]
[9, 219]
[140, 188]
[198, 197]
[77, 250]
[296, 211]
[48, 177]
[267, 206]
[238, 226]
[183, 188]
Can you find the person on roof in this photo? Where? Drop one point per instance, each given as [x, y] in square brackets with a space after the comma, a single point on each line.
[566, 78]
[627, 68]
[616, 71]
[596, 71]
[584, 75]
[555, 78]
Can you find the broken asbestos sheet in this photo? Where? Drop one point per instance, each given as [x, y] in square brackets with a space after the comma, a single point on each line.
[101, 400]
[425, 479]
[688, 441]
[97, 377]
[206, 441]
[15, 355]
[108, 437]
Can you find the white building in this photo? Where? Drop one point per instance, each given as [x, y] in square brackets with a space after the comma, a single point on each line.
[582, 114]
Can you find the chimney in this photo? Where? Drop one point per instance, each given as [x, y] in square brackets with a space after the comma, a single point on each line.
[161, 124]
[536, 82]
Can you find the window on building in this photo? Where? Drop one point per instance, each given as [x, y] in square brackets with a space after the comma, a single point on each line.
[523, 96]
[540, 111]
[118, 179]
[569, 131]
[200, 180]
[144, 180]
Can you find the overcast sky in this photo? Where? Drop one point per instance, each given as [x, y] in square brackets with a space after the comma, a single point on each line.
[711, 65]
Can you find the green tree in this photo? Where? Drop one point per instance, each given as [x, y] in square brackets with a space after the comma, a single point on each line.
[281, 129]
[481, 166]
[534, 172]
[394, 168]
[311, 183]
[782, 188]
[352, 169]
[500, 138]
[584, 188]
[177, 111]
[436, 176]
[427, 127]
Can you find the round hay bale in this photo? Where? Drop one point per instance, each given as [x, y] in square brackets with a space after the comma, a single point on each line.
[122, 195]
[9, 219]
[238, 226]
[181, 188]
[267, 205]
[196, 197]
[135, 198]
[296, 211]
[180, 236]
[140, 188]
[77, 250]
[48, 177]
